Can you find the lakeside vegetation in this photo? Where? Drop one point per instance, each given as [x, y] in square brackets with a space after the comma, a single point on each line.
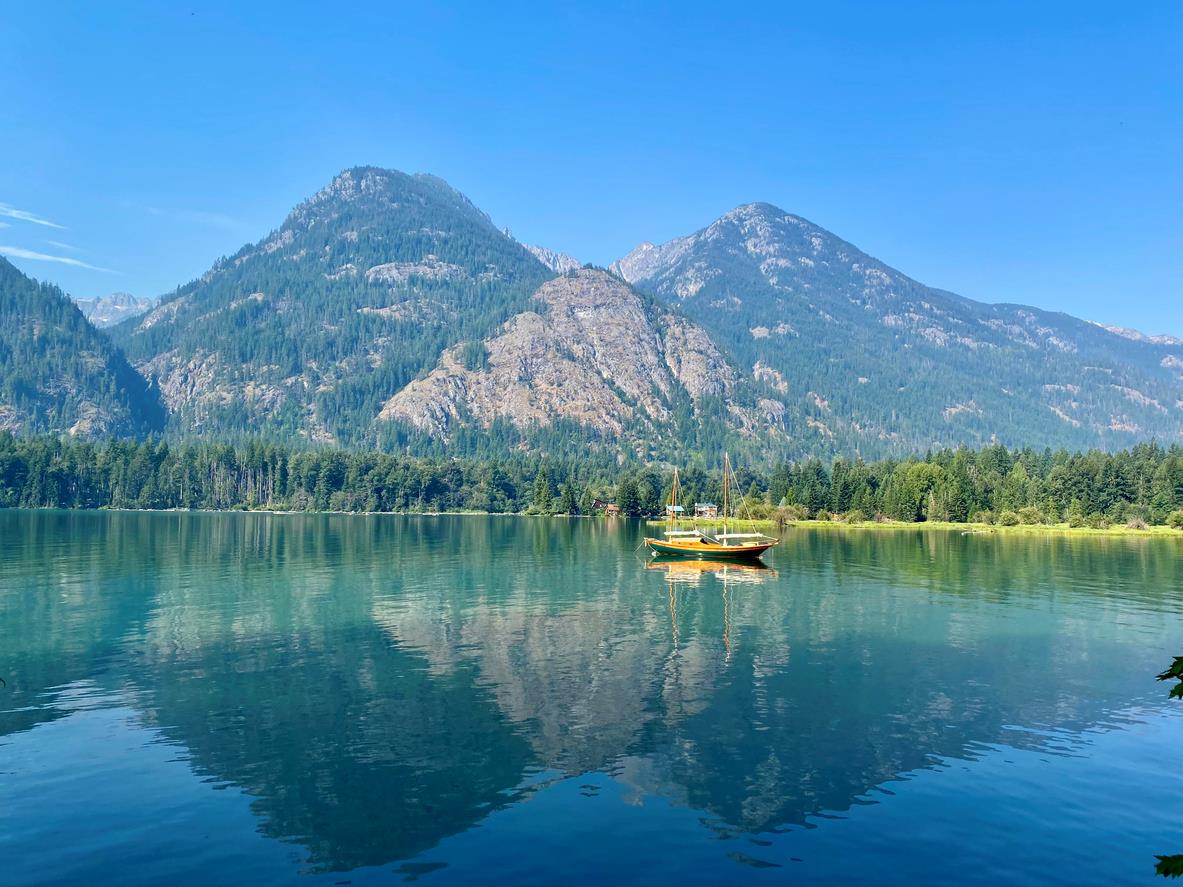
[994, 487]
[975, 527]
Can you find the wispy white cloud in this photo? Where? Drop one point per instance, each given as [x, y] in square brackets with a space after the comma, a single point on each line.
[5, 225]
[196, 216]
[11, 212]
[60, 245]
[17, 253]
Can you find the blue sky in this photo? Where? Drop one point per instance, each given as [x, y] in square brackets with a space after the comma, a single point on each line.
[1006, 151]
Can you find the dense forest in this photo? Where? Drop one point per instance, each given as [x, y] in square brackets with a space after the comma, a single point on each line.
[1142, 485]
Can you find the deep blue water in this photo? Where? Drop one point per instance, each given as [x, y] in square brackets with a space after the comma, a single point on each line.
[264, 699]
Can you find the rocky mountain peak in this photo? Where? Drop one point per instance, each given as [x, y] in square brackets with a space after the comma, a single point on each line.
[747, 212]
[753, 240]
[759, 230]
[361, 289]
[371, 189]
[108, 310]
[648, 259]
[558, 262]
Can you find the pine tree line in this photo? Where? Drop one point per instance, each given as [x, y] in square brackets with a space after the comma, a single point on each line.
[1142, 485]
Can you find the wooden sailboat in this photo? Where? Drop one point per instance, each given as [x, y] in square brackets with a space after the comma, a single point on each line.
[709, 546]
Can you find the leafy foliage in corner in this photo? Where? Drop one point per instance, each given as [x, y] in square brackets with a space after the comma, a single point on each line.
[1174, 673]
[1172, 866]
[1169, 866]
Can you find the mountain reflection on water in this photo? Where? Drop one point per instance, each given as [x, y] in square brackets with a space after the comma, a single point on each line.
[378, 684]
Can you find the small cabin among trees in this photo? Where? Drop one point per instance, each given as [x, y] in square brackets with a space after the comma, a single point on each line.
[609, 508]
[706, 510]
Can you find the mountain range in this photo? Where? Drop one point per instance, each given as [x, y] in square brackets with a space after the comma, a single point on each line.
[387, 310]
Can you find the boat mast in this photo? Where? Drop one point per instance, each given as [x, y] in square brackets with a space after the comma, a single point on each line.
[673, 515]
[726, 471]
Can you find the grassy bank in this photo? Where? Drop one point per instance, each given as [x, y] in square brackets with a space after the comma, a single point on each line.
[768, 526]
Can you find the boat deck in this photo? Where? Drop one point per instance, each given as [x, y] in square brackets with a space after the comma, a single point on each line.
[695, 544]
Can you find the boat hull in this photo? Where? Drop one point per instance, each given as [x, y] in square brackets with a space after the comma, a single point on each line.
[702, 550]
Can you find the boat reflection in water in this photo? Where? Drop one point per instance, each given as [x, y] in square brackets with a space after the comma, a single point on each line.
[681, 573]
[691, 572]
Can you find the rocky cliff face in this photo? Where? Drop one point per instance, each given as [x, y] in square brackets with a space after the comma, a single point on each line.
[590, 350]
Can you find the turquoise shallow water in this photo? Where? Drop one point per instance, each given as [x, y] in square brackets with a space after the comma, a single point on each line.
[266, 699]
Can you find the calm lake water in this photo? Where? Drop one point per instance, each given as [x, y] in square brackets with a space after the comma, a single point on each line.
[225, 699]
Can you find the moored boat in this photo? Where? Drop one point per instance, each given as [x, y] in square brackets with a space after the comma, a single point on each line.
[696, 544]
[702, 545]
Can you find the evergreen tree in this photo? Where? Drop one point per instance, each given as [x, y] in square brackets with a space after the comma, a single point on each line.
[568, 503]
[586, 502]
[542, 500]
[627, 498]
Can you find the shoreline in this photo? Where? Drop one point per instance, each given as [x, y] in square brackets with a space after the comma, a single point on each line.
[966, 529]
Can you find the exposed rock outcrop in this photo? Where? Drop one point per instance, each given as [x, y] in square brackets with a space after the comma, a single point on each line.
[593, 352]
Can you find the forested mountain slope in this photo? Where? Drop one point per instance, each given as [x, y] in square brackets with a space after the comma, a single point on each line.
[869, 361]
[57, 373]
[310, 331]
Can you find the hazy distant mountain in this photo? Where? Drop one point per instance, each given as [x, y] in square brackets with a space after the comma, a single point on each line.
[560, 263]
[111, 309]
[865, 359]
[310, 331]
[58, 374]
